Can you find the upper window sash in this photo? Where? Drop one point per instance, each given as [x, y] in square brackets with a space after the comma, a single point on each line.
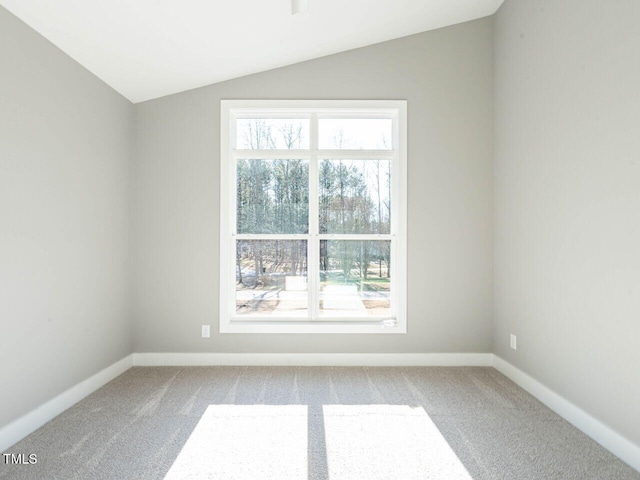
[310, 116]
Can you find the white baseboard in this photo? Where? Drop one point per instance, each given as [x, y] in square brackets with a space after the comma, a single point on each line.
[315, 359]
[23, 426]
[621, 447]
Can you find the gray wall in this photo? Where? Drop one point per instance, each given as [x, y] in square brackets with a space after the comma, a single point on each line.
[65, 143]
[446, 76]
[567, 198]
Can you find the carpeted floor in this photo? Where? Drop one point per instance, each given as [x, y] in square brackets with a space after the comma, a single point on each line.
[330, 423]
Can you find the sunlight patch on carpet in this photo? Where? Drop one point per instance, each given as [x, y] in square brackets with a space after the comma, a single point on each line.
[387, 441]
[233, 442]
[372, 442]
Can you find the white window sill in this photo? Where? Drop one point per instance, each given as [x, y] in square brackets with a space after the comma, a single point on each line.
[376, 327]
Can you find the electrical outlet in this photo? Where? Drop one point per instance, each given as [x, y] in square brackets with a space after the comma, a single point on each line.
[512, 342]
[206, 331]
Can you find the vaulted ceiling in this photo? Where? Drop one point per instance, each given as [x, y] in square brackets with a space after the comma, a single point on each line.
[150, 48]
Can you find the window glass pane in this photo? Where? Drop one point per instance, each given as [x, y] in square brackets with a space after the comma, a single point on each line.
[271, 278]
[272, 196]
[355, 278]
[355, 133]
[272, 133]
[354, 196]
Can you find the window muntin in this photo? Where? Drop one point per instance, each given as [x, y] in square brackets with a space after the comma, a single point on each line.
[309, 234]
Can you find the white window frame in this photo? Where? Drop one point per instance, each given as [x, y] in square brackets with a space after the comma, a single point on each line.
[313, 109]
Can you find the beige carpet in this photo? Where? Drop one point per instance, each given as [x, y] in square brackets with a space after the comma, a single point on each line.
[330, 423]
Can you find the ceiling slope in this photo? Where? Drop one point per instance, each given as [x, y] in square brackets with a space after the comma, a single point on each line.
[146, 49]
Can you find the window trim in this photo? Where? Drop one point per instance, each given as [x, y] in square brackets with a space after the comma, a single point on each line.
[230, 109]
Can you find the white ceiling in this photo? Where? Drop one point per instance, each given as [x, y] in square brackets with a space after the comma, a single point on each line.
[150, 48]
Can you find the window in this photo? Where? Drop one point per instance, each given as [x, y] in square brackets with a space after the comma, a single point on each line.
[313, 216]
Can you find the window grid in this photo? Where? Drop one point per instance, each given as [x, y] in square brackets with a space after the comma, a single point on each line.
[314, 156]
